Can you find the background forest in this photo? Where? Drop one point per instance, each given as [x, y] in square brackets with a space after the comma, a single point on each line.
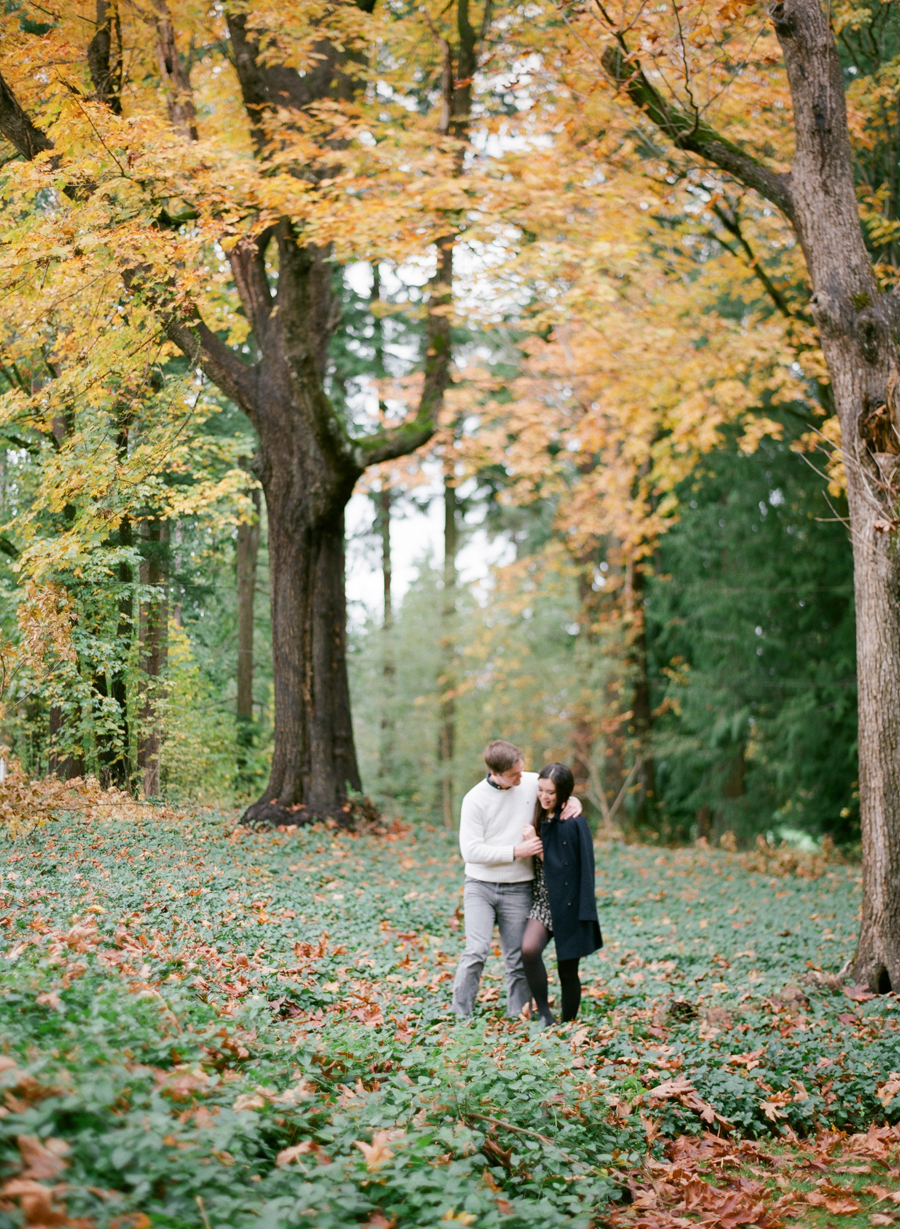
[636, 409]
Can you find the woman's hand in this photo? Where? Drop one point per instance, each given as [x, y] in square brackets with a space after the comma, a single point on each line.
[531, 844]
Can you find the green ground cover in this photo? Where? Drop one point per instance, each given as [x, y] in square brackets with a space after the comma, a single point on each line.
[214, 1028]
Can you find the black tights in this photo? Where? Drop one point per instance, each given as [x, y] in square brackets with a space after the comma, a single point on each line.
[534, 941]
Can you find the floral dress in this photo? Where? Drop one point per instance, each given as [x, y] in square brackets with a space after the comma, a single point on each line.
[540, 902]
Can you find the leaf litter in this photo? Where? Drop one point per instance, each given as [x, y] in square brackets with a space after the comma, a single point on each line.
[257, 1026]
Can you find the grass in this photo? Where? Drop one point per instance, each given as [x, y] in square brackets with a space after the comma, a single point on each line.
[203, 1027]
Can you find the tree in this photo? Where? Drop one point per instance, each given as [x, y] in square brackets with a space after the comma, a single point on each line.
[854, 311]
[297, 126]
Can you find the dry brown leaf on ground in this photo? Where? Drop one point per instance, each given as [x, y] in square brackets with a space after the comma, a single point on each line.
[672, 1088]
[378, 1151]
[834, 1204]
[889, 1089]
[36, 1202]
[286, 1155]
[771, 1106]
[42, 1160]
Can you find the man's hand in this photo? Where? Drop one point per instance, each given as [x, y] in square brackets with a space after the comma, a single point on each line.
[572, 808]
[529, 848]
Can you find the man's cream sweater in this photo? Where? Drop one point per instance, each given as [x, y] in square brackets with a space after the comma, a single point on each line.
[490, 828]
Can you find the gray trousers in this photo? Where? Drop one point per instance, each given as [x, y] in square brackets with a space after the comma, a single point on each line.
[485, 904]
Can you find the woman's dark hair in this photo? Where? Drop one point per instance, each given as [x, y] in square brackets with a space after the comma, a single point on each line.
[561, 776]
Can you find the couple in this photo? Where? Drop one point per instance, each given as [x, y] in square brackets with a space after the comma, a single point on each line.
[529, 868]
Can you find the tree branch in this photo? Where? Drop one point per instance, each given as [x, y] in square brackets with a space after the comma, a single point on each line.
[248, 265]
[733, 226]
[200, 344]
[690, 133]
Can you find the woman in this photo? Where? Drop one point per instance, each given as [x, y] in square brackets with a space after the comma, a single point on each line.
[564, 905]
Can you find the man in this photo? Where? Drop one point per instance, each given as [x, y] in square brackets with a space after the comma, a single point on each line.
[498, 872]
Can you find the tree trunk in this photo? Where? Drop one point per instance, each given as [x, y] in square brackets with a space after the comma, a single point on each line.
[855, 327]
[388, 667]
[247, 552]
[447, 679]
[114, 739]
[641, 726]
[176, 83]
[314, 760]
[308, 462]
[154, 618]
[65, 766]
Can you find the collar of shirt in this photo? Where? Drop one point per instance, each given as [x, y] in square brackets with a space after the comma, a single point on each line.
[494, 785]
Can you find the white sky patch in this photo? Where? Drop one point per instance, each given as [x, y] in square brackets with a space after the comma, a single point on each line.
[415, 535]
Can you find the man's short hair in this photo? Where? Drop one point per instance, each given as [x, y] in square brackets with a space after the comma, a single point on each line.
[501, 756]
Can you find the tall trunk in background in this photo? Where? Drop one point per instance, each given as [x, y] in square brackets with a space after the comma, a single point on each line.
[641, 725]
[388, 665]
[65, 766]
[154, 619]
[447, 677]
[247, 553]
[114, 732]
[383, 517]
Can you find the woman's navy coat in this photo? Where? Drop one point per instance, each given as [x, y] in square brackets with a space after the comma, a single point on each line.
[569, 873]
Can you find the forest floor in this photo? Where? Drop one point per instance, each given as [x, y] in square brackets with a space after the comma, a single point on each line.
[208, 1027]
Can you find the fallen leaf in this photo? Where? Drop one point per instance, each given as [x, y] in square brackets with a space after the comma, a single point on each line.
[286, 1155]
[36, 1202]
[671, 1088]
[378, 1151]
[771, 1107]
[837, 1207]
[249, 1101]
[889, 1089]
[42, 1159]
[859, 994]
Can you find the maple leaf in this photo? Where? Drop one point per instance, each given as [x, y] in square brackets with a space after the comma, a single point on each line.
[378, 1152]
[889, 1089]
[837, 1206]
[457, 1218]
[249, 1101]
[286, 1155]
[771, 1107]
[36, 1201]
[42, 1159]
[672, 1088]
